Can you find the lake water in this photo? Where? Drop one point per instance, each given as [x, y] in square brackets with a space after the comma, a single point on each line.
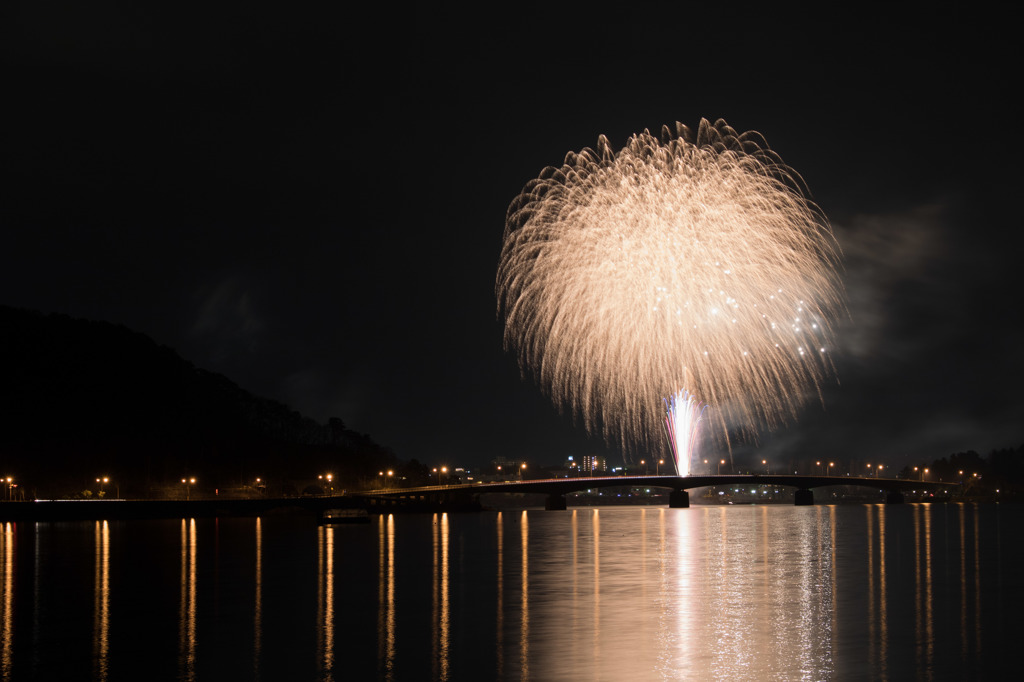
[873, 592]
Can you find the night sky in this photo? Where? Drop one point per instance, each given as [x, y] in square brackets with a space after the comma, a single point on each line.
[312, 203]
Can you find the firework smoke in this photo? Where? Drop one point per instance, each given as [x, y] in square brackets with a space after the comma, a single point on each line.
[693, 260]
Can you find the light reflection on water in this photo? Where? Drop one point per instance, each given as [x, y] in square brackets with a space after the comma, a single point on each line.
[757, 592]
[524, 598]
[325, 600]
[257, 612]
[7, 551]
[441, 611]
[386, 597]
[101, 607]
[187, 622]
[499, 644]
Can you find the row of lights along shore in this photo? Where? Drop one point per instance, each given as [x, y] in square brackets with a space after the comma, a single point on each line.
[823, 467]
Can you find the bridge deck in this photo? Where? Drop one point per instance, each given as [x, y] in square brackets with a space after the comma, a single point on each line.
[432, 497]
[562, 486]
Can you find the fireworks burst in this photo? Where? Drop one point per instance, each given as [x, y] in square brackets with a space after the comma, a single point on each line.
[684, 414]
[693, 260]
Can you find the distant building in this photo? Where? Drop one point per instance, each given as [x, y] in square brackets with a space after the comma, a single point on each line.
[587, 465]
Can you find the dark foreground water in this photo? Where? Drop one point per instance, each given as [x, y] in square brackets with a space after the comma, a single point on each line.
[741, 593]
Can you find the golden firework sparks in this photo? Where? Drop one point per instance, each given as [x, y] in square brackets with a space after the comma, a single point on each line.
[693, 260]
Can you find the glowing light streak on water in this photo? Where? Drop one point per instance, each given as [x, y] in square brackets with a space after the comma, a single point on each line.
[524, 623]
[101, 605]
[7, 538]
[441, 632]
[386, 616]
[500, 582]
[187, 617]
[682, 421]
[595, 518]
[325, 551]
[694, 260]
[257, 619]
[883, 600]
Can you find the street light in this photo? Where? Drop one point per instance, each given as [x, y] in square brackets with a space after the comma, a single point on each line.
[720, 463]
[924, 473]
[522, 469]
[828, 472]
[878, 470]
[328, 478]
[643, 463]
[8, 481]
[189, 482]
[818, 464]
[657, 470]
[766, 469]
[103, 483]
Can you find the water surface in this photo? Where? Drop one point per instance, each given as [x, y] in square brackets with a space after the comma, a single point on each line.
[622, 593]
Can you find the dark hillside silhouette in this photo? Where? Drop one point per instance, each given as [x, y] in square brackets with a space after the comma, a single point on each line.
[80, 399]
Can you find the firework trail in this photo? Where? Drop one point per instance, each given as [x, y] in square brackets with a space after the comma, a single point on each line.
[694, 260]
[684, 414]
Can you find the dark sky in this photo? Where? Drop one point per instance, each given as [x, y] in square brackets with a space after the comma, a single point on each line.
[312, 203]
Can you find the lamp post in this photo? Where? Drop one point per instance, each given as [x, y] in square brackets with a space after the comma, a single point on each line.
[818, 464]
[103, 481]
[720, 463]
[8, 481]
[766, 469]
[657, 469]
[522, 470]
[878, 470]
[643, 463]
[828, 471]
[189, 482]
[924, 472]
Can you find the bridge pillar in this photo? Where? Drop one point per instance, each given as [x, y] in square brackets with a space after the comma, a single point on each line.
[803, 497]
[894, 497]
[679, 499]
[555, 502]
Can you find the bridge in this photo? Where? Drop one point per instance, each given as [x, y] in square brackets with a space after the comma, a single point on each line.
[557, 488]
[447, 497]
